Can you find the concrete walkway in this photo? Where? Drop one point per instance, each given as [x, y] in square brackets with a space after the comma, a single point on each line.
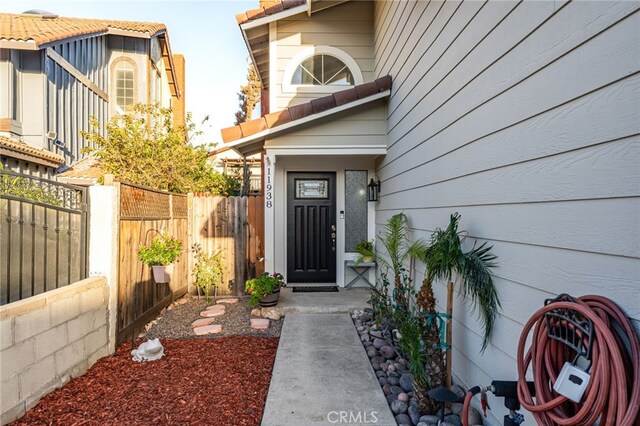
[345, 300]
[322, 376]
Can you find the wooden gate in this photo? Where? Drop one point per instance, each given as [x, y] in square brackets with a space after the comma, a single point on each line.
[233, 226]
[144, 213]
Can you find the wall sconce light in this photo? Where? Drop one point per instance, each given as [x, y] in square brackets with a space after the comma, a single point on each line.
[373, 190]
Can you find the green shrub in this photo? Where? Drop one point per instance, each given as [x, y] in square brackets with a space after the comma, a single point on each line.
[208, 270]
[263, 285]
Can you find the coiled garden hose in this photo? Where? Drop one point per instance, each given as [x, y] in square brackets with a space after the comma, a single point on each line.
[612, 396]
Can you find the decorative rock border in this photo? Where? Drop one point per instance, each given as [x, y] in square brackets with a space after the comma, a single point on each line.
[396, 380]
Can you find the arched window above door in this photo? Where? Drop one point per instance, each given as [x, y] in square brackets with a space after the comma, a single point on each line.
[320, 69]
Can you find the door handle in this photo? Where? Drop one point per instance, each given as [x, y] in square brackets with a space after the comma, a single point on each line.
[333, 238]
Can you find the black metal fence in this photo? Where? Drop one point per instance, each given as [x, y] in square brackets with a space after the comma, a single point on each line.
[43, 228]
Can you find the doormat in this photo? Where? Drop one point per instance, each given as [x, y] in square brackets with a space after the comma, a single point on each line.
[318, 289]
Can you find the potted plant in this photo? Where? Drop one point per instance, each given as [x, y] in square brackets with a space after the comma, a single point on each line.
[159, 254]
[365, 249]
[265, 289]
[208, 271]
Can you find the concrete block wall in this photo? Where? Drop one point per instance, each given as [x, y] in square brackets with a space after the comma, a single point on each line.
[48, 339]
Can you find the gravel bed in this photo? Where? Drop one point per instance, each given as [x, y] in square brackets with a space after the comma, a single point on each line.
[175, 321]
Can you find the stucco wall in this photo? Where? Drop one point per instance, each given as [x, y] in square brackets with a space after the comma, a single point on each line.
[48, 339]
[523, 117]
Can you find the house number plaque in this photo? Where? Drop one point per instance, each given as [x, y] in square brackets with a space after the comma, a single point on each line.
[268, 188]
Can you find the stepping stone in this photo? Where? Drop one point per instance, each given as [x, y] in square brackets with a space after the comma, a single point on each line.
[207, 329]
[202, 322]
[230, 300]
[214, 307]
[259, 323]
[211, 313]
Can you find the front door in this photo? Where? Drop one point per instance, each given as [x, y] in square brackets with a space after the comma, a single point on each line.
[311, 227]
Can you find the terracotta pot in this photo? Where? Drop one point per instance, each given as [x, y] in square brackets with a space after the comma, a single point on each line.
[161, 273]
[270, 299]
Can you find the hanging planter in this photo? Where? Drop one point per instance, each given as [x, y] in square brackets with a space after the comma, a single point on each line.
[162, 273]
[160, 254]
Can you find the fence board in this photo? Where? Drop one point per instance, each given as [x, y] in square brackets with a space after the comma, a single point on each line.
[144, 213]
[234, 226]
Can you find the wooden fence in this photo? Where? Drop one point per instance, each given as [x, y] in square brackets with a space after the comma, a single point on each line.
[235, 227]
[43, 225]
[144, 213]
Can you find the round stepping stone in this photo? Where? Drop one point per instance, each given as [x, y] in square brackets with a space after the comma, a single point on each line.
[259, 323]
[207, 329]
[202, 322]
[214, 307]
[211, 313]
[230, 300]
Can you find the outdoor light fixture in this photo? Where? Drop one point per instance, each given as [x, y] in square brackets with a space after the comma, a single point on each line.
[373, 190]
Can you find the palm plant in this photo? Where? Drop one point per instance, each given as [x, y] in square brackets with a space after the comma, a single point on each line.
[395, 239]
[444, 258]
[411, 344]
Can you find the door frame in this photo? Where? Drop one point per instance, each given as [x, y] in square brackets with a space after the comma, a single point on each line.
[287, 206]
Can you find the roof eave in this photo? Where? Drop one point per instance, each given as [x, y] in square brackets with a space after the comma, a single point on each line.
[257, 138]
[274, 17]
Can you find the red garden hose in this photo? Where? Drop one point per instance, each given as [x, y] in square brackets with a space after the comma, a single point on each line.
[613, 393]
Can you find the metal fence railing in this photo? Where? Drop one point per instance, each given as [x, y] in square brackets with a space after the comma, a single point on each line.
[44, 235]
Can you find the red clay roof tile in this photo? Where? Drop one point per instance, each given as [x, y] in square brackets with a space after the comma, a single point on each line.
[278, 118]
[252, 127]
[299, 111]
[42, 30]
[266, 9]
[322, 104]
[231, 134]
[366, 89]
[344, 96]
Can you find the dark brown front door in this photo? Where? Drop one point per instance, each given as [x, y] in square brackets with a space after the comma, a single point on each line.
[311, 227]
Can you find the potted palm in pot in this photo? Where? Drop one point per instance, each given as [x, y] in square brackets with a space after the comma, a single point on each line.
[365, 250]
[265, 289]
[160, 253]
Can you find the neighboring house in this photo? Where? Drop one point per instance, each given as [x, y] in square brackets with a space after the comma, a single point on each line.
[55, 73]
[226, 161]
[521, 116]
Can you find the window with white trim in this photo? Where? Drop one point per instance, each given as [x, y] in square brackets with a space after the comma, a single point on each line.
[124, 85]
[322, 70]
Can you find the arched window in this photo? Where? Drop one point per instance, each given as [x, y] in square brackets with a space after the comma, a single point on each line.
[124, 83]
[322, 70]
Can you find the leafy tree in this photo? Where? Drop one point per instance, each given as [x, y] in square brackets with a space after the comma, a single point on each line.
[146, 149]
[248, 96]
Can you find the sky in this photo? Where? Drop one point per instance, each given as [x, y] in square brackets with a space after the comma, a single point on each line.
[204, 31]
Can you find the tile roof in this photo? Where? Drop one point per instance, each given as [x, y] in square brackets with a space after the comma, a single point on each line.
[11, 147]
[300, 111]
[43, 29]
[267, 7]
[86, 169]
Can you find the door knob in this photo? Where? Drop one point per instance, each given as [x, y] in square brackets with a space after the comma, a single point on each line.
[333, 228]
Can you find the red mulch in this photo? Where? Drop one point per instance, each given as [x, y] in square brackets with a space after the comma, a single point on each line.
[220, 381]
